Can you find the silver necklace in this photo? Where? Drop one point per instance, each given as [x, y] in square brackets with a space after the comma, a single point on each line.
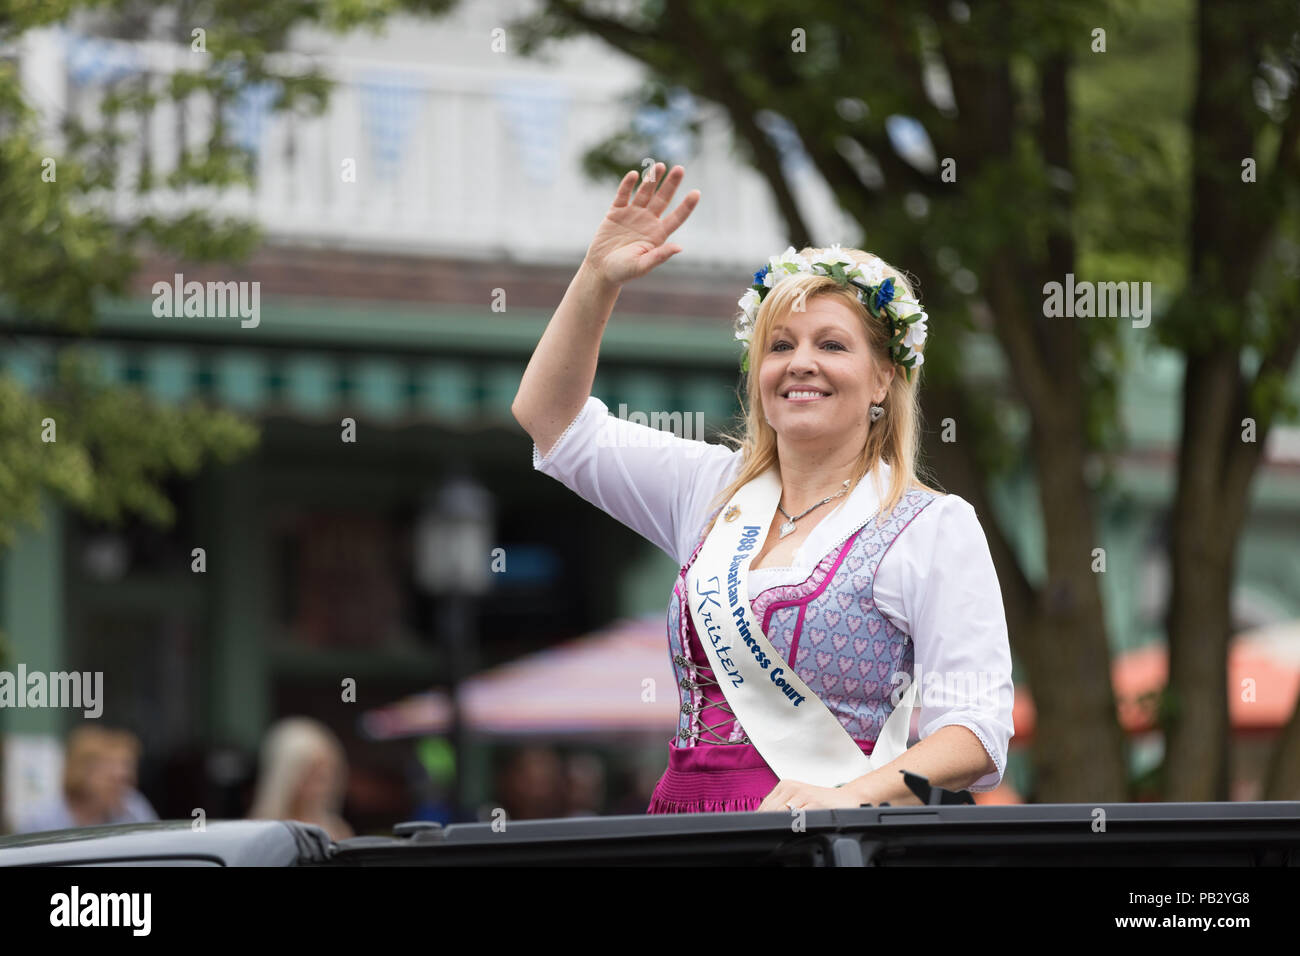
[788, 527]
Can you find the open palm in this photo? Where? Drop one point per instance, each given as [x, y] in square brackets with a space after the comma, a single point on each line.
[632, 238]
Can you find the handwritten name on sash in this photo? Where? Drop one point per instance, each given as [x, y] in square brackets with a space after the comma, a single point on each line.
[710, 627]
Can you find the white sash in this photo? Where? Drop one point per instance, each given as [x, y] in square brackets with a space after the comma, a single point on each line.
[793, 730]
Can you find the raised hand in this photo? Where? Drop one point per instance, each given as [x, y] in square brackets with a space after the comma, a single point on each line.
[632, 237]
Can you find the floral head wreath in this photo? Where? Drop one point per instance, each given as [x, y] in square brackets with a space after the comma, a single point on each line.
[904, 317]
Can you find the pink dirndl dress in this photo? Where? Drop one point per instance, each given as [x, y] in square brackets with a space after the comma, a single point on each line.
[828, 630]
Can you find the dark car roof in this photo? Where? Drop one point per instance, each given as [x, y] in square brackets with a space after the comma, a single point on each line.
[171, 842]
[1134, 834]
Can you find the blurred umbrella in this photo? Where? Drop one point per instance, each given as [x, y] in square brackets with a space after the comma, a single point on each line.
[615, 680]
[1268, 656]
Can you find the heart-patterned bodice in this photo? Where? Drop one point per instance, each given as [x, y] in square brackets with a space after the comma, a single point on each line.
[827, 628]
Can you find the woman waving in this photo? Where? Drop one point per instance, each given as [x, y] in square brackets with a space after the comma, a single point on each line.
[825, 592]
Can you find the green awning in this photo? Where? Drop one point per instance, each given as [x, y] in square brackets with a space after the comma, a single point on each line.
[392, 364]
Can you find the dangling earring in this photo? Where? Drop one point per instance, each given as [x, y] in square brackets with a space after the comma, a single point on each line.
[876, 412]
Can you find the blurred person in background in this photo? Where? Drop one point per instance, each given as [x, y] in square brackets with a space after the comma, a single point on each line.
[303, 775]
[99, 775]
[531, 785]
[637, 783]
[432, 771]
[584, 777]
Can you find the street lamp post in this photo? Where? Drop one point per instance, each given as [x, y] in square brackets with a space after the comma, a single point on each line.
[453, 540]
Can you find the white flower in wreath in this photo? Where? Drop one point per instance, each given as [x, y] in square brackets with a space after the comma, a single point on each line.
[833, 255]
[903, 307]
[871, 272]
[777, 266]
[916, 332]
[743, 325]
[912, 353]
[749, 303]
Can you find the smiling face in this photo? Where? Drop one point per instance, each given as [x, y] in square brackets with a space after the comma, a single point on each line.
[818, 377]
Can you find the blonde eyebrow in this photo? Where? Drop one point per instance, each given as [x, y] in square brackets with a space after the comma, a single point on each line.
[824, 328]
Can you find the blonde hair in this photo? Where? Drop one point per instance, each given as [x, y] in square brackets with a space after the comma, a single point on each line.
[288, 750]
[894, 439]
[85, 746]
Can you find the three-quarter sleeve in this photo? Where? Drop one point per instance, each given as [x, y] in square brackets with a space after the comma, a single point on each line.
[658, 484]
[941, 586]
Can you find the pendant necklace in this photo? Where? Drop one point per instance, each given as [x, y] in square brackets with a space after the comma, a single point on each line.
[788, 527]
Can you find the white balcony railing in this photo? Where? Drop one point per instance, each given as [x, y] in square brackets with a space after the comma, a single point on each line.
[449, 160]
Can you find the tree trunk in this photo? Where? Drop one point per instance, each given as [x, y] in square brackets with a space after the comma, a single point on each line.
[1076, 716]
[1080, 751]
[1283, 779]
[1195, 708]
[1231, 226]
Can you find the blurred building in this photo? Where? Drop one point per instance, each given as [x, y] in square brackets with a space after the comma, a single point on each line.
[419, 235]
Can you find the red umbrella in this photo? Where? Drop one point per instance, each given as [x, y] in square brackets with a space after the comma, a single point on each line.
[618, 679]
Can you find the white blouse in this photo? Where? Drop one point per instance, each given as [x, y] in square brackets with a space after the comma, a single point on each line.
[936, 582]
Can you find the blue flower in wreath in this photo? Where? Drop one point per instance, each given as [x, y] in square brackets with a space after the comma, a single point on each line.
[760, 275]
[884, 293]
